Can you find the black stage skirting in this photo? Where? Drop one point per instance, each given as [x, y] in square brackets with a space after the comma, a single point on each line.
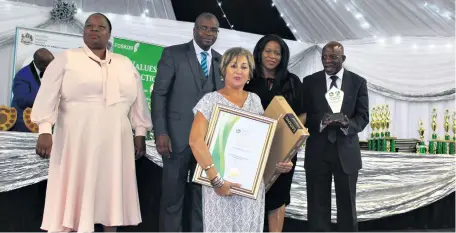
[22, 209]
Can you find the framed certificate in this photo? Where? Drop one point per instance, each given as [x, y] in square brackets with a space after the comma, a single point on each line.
[239, 143]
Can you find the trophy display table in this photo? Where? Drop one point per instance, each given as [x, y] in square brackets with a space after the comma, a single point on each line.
[401, 182]
[436, 144]
[442, 146]
[381, 139]
[401, 145]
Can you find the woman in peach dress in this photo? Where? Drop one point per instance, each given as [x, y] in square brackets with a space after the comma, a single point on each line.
[94, 99]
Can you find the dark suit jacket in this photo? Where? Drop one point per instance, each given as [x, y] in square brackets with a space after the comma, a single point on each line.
[25, 87]
[355, 105]
[177, 89]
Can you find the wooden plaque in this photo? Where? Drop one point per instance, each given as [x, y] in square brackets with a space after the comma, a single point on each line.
[28, 120]
[8, 117]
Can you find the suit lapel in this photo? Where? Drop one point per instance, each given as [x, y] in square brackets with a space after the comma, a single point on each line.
[346, 84]
[322, 89]
[215, 66]
[35, 75]
[195, 66]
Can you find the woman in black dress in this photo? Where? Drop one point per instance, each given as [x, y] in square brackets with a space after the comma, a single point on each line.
[272, 78]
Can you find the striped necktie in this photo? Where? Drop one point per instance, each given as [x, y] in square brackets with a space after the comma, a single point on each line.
[204, 63]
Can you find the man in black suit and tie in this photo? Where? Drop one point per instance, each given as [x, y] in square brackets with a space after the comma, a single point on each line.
[185, 73]
[332, 148]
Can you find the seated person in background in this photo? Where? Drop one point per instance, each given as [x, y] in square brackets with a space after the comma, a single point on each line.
[26, 84]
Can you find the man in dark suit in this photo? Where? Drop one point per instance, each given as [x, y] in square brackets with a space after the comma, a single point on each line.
[26, 84]
[185, 73]
[332, 148]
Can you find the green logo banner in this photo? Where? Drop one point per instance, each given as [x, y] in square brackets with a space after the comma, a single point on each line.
[144, 56]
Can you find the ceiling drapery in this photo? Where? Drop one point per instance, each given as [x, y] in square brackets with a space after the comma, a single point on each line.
[321, 21]
[412, 74]
[150, 8]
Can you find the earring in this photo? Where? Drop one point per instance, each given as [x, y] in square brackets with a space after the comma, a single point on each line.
[221, 78]
[248, 81]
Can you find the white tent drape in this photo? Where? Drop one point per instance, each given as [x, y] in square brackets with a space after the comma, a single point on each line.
[428, 68]
[321, 21]
[405, 50]
[377, 66]
[411, 70]
[151, 8]
[152, 30]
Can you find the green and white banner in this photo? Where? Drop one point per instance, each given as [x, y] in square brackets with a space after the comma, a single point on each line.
[144, 56]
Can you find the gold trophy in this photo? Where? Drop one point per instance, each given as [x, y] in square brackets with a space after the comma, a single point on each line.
[371, 141]
[453, 142]
[377, 120]
[433, 144]
[446, 127]
[421, 146]
[382, 120]
[382, 124]
[372, 123]
[387, 120]
[390, 141]
[378, 129]
[434, 123]
[421, 130]
[454, 125]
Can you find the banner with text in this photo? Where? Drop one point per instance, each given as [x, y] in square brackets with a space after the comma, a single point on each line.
[29, 40]
[144, 56]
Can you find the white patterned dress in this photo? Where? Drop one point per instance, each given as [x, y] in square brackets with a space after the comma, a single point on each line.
[234, 213]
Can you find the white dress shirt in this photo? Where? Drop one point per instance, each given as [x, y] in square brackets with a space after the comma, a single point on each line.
[198, 51]
[37, 70]
[340, 76]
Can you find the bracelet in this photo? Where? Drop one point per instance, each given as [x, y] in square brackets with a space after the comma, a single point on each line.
[209, 167]
[217, 182]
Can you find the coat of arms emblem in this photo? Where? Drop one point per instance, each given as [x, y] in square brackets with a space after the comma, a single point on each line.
[27, 38]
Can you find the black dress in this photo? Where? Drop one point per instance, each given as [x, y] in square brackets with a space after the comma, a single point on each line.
[290, 88]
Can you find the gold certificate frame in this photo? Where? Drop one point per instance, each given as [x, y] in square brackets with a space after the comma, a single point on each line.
[239, 142]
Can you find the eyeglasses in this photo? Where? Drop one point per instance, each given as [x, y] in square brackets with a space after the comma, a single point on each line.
[207, 30]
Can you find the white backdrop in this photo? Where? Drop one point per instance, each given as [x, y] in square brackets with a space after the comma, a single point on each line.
[410, 66]
[324, 20]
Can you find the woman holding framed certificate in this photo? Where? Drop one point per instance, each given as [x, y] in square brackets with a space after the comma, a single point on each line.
[223, 211]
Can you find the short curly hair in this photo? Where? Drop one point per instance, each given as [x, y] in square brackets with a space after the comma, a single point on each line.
[232, 53]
